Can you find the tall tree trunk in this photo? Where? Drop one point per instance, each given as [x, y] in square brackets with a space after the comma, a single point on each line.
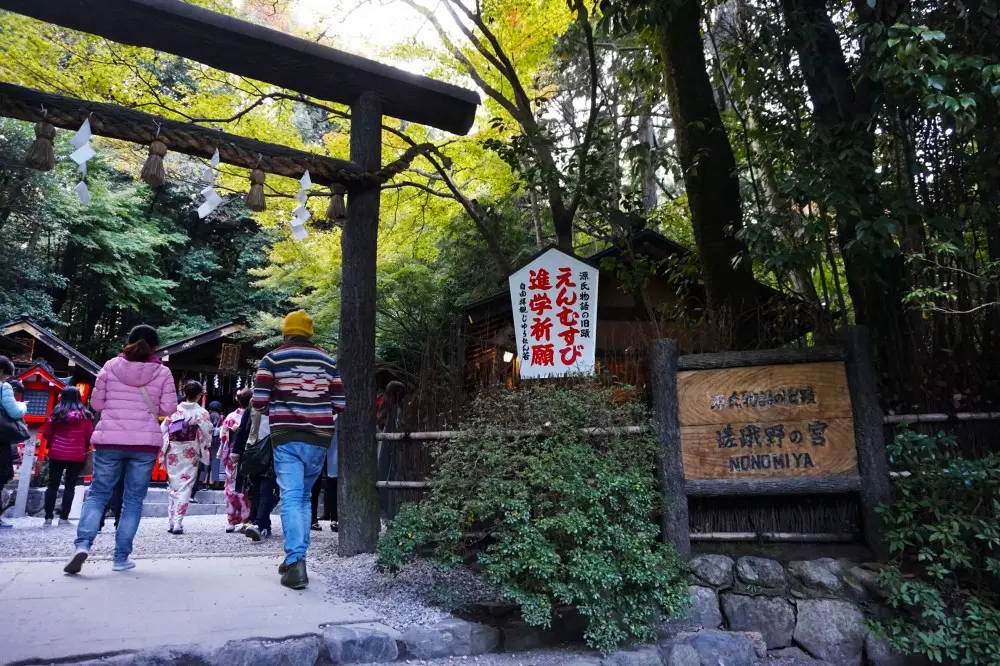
[710, 177]
[650, 194]
[873, 269]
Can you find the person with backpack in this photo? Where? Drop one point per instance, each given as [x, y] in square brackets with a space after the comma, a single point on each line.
[187, 443]
[132, 390]
[68, 431]
[299, 386]
[12, 427]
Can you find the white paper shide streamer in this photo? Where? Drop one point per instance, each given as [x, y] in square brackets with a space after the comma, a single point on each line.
[84, 151]
[212, 198]
[301, 214]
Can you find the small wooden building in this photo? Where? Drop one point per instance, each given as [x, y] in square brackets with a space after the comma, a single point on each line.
[671, 305]
[46, 365]
[223, 358]
[41, 344]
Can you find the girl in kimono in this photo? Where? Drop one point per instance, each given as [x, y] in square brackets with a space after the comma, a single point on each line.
[187, 441]
[237, 502]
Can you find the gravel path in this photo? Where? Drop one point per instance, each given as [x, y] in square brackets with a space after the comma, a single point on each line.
[421, 594]
[203, 535]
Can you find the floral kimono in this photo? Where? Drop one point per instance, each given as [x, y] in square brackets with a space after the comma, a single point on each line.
[187, 441]
[237, 504]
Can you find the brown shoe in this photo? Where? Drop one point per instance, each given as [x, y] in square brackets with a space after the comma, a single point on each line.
[295, 576]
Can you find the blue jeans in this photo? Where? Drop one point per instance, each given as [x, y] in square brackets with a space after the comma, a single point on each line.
[108, 467]
[297, 465]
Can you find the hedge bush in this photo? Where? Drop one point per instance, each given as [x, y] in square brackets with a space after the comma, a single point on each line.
[570, 518]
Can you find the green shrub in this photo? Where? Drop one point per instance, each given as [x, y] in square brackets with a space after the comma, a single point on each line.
[944, 534]
[570, 517]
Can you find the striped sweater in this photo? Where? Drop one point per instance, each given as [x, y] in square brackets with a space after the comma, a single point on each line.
[299, 386]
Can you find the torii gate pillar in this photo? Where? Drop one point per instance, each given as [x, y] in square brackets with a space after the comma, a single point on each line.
[358, 506]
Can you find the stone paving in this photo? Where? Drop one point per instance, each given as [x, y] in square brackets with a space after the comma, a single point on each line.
[205, 600]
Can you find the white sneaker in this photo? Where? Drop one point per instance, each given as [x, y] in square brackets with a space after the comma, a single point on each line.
[47, 523]
[123, 566]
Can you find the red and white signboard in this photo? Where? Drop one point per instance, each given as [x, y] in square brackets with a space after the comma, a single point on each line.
[554, 299]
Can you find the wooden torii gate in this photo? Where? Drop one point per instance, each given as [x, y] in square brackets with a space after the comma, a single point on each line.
[371, 90]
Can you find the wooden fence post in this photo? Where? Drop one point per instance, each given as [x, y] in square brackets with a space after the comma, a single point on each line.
[873, 466]
[663, 386]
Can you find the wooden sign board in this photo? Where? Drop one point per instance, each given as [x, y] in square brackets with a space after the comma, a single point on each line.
[767, 421]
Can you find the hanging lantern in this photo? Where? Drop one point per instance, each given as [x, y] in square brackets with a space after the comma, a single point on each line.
[153, 172]
[42, 156]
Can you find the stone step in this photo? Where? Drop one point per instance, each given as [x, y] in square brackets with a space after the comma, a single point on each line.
[159, 496]
[210, 502]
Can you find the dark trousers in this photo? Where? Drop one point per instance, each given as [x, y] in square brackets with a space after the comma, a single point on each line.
[115, 503]
[56, 470]
[197, 480]
[329, 487]
[267, 499]
[6, 464]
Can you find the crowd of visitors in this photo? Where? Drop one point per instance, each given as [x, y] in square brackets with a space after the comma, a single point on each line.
[278, 445]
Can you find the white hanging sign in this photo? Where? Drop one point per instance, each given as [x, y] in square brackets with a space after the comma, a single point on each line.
[212, 198]
[554, 300]
[301, 214]
[84, 151]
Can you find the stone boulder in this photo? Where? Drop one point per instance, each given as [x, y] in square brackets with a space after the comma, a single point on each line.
[817, 577]
[774, 618]
[758, 575]
[795, 653]
[709, 648]
[865, 581]
[359, 645]
[300, 651]
[831, 630]
[704, 607]
[519, 636]
[643, 656]
[451, 638]
[715, 571]
[878, 652]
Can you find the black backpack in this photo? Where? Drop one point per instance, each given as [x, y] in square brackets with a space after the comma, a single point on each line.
[258, 458]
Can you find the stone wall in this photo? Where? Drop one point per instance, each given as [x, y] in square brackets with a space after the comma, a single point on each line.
[816, 607]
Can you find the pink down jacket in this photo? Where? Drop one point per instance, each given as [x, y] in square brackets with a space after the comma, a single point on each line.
[126, 419]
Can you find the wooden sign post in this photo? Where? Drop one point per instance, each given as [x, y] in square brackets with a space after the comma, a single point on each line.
[777, 422]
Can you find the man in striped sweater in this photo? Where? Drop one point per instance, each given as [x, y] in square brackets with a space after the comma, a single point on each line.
[299, 387]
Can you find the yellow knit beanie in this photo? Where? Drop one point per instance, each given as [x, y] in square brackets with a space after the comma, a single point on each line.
[297, 323]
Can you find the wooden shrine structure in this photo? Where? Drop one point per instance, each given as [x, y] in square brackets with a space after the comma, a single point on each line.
[38, 343]
[370, 89]
[223, 358]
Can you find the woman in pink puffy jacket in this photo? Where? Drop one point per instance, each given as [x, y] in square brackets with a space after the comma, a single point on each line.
[132, 391]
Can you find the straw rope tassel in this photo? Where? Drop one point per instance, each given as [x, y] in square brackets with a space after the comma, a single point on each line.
[42, 156]
[153, 172]
[337, 210]
[255, 200]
